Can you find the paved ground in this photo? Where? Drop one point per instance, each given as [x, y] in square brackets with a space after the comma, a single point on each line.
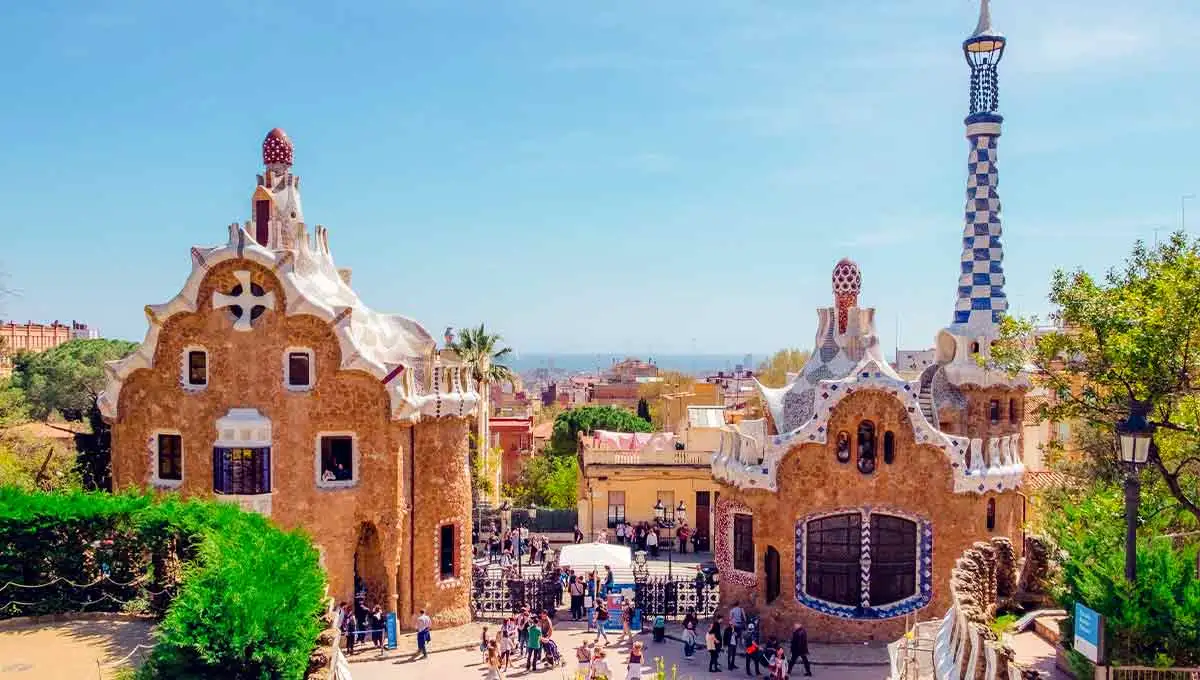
[70, 650]
[1033, 652]
[453, 662]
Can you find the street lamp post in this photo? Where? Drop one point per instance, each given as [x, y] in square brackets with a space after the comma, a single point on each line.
[532, 516]
[1135, 437]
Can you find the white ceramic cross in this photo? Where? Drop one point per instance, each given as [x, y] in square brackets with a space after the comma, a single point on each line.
[246, 300]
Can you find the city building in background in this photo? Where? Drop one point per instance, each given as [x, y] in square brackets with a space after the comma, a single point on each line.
[37, 337]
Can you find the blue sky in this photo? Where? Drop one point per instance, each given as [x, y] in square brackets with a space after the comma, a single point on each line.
[613, 176]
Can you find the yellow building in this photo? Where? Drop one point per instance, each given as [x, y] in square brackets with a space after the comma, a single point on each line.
[624, 475]
[674, 407]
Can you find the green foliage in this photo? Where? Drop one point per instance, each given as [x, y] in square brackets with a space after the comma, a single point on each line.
[480, 350]
[548, 482]
[14, 409]
[773, 372]
[67, 380]
[1125, 339]
[246, 602]
[1154, 621]
[587, 419]
[36, 464]
[1002, 623]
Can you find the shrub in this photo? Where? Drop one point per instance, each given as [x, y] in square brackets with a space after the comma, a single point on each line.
[242, 598]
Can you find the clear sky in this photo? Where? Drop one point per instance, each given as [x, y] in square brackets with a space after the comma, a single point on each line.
[618, 176]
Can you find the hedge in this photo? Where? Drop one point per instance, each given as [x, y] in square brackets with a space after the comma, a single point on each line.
[237, 596]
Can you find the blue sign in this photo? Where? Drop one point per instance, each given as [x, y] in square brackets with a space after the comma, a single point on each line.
[1089, 633]
[391, 630]
[615, 603]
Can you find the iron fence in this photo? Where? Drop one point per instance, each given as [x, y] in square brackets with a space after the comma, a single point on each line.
[673, 597]
[1150, 673]
[497, 594]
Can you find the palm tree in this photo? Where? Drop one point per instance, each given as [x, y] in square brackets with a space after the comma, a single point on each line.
[479, 350]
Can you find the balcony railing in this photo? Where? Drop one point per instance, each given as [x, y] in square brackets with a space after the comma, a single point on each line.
[625, 457]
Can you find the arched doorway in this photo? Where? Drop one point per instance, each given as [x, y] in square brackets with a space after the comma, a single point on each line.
[370, 576]
[771, 564]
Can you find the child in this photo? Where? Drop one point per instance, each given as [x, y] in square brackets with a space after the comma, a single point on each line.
[493, 664]
[483, 644]
[583, 654]
[777, 669]
[508, 638]
[599, 666]
[635, 662]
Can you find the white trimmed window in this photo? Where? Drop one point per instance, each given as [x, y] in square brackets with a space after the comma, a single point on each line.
[337, 460]
[299, 373]
[195, 368]
[166, 456]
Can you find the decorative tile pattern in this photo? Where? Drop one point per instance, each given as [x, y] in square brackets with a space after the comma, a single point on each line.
[981, 299]
[437, 552]
[726, 509]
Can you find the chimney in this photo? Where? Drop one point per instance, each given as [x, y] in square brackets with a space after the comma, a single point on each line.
[345, 273]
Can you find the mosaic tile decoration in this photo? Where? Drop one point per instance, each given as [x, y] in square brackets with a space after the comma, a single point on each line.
[981, 300]
[865, 611]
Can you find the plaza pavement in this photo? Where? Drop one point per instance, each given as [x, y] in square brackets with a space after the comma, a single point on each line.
[455, 656]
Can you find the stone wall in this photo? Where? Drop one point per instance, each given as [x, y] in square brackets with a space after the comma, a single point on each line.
[919, 483]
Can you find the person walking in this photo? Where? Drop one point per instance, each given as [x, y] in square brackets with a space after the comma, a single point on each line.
[626, 623]
[533, 642]
[730, 640]
[599, 668]
[576, 589]
[349, 627]
[601, 620]
[493, 663]
[636, 657]
[689, 634]
[508, 639]
[609, 580]
[424, 623]
[799, 649]
[737, 619]
[712, 642]
[375, 621]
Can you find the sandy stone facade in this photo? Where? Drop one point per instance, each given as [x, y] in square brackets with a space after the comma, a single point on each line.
[215, 403]
[812, 482]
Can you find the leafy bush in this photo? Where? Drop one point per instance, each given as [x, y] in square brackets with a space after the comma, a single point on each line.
[587, 419]
[242, 599]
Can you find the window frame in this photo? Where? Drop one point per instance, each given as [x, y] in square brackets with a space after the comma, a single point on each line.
[611, 518]
[455, 561]
[287, 369]
[355, 460]
[994, 411]
[185, 371]
[735, 559]
[155, 463]
[922, 578]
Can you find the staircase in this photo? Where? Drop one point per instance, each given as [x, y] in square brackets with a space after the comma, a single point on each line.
[925, 396]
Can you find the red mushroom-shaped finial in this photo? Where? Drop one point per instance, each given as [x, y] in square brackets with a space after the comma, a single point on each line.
[847, 282]
[277, 148]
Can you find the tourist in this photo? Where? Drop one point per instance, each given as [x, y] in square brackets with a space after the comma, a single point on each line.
[583, 654]
[777, 666]
[483, 644]
[754, 653]
[609, 581]
[578, 534]
[349, 627]
[689, 634]
[508, 637]
[737, 619]
[730, 639]
[493, 663]
[636, 656]
[375, 621]
[523, 623]
[626, 622]
[682, 534]
[599, 666]
[533, 644]
[601, 620]
[545, 624]
[620, 533]
[712, 642]
[652, 542]
[576, 590]
[424, 623]
[603, 537]
[799, 649]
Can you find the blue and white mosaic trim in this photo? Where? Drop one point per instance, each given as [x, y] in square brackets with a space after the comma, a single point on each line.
[867, 612]
[981, 299]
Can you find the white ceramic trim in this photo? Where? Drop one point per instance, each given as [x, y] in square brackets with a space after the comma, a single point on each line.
[355, 460]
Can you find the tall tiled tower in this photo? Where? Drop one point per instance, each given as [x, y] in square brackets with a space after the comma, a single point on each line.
[960, 394]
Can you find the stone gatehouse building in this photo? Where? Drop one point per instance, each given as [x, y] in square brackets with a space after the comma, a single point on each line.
[846, 507]
[266, 381]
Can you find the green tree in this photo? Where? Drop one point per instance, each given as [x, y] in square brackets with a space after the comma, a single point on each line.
[14, 410]
[481, 352]
[547, 481]
[36, 465]
[1125, 341]
[773, 372]
[67, 380]
[643, 410]
[586, 419]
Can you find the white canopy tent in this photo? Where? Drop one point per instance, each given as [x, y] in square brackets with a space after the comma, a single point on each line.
[595, 555]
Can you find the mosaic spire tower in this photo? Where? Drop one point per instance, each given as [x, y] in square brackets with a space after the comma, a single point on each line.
[981, 301]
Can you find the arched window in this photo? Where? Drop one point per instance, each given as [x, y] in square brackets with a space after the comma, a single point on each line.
[866, 447]
[893, 559]
[991, 514]
[1013, 417]
[834, 560]
[843, 447]
[262, 218]
[974, 348]
[833, 555]
[889, 447]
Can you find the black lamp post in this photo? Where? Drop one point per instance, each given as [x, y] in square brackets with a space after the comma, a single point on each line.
[532, 516]
[1135, 437]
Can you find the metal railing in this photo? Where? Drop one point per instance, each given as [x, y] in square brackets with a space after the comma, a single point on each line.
[624, 457]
